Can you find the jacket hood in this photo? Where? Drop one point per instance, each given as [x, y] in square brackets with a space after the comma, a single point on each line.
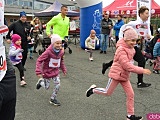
[122, 43]
[50, 49]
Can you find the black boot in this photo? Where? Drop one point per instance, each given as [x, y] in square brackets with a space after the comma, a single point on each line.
[105, 66]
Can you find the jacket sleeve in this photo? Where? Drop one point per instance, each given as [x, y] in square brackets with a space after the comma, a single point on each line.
[118, 26]
[155, 49]
[40, 61]
[62, 66]
[86, 42]
[52, 22]
[126, 64]
[11, 28]
[13, 51]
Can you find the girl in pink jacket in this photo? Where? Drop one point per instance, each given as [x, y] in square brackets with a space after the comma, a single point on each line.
[47, 67]
[120, 71]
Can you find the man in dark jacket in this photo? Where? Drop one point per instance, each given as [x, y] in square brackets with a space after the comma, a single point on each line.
[22, 28]
[106, 26]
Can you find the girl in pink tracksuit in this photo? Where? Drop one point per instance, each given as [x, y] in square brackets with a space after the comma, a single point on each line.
[120, 71]
[47, 67]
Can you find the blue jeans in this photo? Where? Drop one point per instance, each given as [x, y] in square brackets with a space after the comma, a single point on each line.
[104, 42]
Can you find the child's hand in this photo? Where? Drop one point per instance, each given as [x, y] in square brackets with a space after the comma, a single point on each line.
[146, 71]
[148, 36]
[39, 76]
[8, 41]
[64, 74]
[49, 35]
[28, 38]
[20, 50]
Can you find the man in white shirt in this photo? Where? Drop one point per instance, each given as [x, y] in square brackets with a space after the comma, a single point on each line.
[142, 26]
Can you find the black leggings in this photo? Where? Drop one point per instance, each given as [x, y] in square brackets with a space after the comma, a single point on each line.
[21, 70]
[138, 57]
[117, 38]
[24, 54]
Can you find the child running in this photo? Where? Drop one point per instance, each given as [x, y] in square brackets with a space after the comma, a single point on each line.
[120, 71]
[156, 54]
[15, 54]
[30, 48]
[47, 67]
[90, 43]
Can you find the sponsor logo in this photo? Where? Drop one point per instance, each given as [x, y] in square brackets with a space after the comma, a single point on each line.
[127, 4]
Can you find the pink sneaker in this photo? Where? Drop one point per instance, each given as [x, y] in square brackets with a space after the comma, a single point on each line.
[23, 83]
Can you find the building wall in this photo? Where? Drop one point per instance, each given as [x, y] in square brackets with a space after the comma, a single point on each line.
[11, 19]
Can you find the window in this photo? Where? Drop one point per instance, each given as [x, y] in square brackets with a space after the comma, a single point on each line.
[12, 20]
[11, 2]
[41, 6]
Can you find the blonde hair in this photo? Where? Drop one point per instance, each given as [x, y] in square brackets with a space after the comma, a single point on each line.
[33, 21]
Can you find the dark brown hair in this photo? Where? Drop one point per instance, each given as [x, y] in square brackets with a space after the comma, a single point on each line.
[120, 15]
[142, 10]
[63, 6]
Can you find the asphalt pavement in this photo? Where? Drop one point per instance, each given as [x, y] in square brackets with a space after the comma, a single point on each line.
[33, 104]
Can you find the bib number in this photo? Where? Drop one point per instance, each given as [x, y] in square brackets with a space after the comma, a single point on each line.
[3, 63]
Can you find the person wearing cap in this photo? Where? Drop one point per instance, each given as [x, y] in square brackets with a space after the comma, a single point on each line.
[22, 28]
[47, 67]
[142, 27]
[120, 71]
[15, 54]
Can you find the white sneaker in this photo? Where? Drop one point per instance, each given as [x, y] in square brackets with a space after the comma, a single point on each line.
[86, 50]
[23, 83]
[91, 58]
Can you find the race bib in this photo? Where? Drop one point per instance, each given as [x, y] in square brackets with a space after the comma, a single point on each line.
[3, 63]
[55, 63]
[142, 29]
[19, 56]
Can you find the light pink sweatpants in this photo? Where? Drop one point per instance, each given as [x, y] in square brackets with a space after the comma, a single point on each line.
[112, 84]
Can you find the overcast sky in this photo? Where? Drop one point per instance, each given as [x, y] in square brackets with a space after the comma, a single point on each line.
[107, 2]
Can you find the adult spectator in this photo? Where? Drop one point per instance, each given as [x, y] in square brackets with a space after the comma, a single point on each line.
[106, 26]
[117, 26]
[22, 28]
[37, 27]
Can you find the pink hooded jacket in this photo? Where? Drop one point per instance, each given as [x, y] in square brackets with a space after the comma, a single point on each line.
[123, 63]
[43, 63]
